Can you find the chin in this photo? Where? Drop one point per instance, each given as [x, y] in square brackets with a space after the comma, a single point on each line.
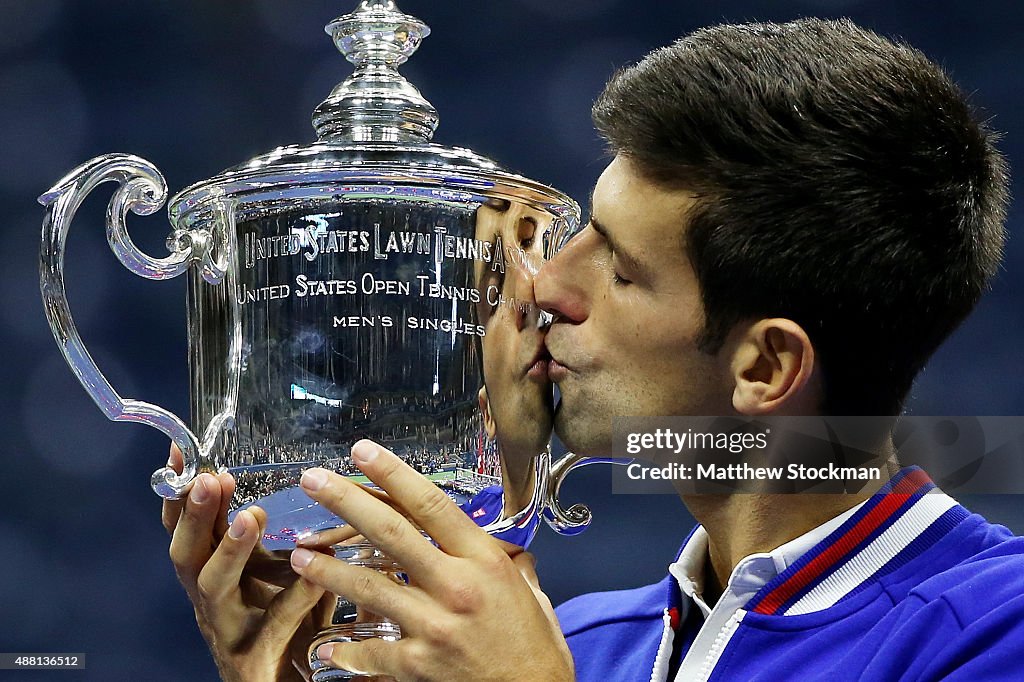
[581, 437]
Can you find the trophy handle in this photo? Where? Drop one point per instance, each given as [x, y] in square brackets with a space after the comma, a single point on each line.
[142, 190]
[577, 518]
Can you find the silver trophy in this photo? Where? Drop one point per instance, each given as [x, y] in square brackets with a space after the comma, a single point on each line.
[370, 285]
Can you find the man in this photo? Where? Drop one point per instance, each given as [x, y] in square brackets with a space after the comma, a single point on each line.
[796, 216]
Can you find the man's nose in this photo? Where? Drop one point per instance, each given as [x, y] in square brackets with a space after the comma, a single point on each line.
[560, 287]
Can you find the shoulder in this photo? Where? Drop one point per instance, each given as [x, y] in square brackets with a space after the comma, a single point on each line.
[593, 610]
[966, 621]
[988, 575]
[615, 635]
[486, 506]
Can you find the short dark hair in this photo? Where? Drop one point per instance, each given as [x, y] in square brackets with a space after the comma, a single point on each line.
[844, 182]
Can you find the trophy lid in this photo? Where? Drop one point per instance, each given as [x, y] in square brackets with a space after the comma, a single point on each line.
[373, 130]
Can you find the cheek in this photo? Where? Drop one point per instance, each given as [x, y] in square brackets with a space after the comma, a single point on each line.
[657, 359]
[495, 354]
[667, 330]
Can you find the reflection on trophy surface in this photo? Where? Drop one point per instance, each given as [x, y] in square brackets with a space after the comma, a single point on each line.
[467, 404]
[517, 399]
[371, 334]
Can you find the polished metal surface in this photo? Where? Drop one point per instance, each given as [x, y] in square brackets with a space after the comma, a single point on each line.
[376, 103]
[371, 284]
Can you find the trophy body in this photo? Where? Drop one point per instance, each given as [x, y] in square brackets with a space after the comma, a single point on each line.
[370, 285]
[359, 306]
[340, 337]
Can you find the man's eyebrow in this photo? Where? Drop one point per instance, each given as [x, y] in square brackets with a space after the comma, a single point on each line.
[631, 263]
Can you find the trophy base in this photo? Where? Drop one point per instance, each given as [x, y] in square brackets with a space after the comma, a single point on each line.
[350, 632]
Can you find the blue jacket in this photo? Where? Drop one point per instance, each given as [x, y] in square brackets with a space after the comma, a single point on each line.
[911, 587]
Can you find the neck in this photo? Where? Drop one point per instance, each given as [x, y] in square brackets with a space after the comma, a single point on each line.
[750, 523]
[742, 524]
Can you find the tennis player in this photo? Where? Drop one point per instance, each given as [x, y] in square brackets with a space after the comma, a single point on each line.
[795, 217]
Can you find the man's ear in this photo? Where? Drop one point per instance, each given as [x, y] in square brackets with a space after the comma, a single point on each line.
[773, 369]
[485, 411]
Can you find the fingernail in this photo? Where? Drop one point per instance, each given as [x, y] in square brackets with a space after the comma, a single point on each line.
[301, 558]
[237, 529]
[324, 652]
[364, 452]
[200, 493]
[314, 479]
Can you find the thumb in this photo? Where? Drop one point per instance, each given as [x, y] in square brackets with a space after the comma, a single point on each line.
[527, 565]
[286, 612]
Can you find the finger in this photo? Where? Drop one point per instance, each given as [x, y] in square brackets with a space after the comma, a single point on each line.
[381, 495]
[262, 563]
[366, 587]
[323, 614]
[260, 515]
[526, 563]
[331, 536]
[425, 503]
[227, 491]
[380, 523]
[286, 612]
[375, 657]
[192, 541]
[222, 574]
[511, 549]
[172, 508]
[268, 566]
[346, 533]
[258, 593]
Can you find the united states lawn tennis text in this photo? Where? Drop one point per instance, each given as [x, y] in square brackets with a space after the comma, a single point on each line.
[746, 472]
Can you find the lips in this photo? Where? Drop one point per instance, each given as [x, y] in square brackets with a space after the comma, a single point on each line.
[538, 367]
[557, 371]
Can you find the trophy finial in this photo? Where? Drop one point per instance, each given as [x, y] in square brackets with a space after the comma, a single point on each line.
[376, 103]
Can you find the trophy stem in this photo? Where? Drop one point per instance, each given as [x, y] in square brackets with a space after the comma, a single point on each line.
[372, 626]
[351, 632]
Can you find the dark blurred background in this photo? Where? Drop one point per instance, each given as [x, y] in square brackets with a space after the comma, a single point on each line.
[196, 87]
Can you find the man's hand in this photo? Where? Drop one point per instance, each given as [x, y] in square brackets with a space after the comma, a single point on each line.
[250, 625]
[471, 611]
